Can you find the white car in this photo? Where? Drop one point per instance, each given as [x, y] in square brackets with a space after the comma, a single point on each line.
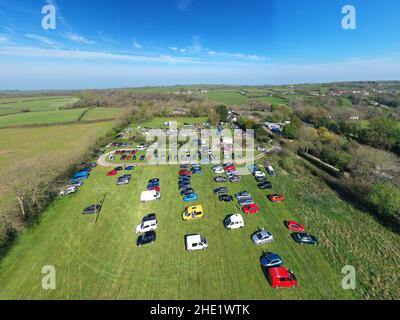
[68, 190]
[261, 237]
[141, 147]
[234, 221]
[218, 170]
[147, 225]
[149, 196]
[259, 174]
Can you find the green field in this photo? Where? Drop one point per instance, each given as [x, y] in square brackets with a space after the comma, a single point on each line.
[228, 97]
[15, 105]
[273, 100]
[101, 261]
[44, 143]
[101, 113]
[40, 117]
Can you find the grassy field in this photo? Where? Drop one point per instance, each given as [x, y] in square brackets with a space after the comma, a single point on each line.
[41, 117]
[43, 143]
[228, 97]
[101, 113]
[272, 100]
[14, 105]
[101, 261]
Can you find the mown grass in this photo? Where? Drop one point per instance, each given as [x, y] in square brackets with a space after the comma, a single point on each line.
[159, 122]
[102, 113]
[228, 97]
[273, 100]
[14, 105]
[40, 117]
[101, 261]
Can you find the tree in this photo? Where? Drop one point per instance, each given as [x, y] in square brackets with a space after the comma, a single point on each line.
[291, 131]
[222, 111]
[386, 198]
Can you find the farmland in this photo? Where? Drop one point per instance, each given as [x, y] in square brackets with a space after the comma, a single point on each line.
[101, 113]
[101, 261]
[228, 97]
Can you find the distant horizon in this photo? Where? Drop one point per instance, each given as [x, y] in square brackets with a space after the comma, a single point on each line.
[162, 42]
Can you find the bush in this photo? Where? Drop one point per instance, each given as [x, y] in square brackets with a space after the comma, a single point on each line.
[386, 199]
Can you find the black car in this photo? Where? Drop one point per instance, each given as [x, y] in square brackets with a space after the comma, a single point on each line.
[93, 209]
[134, 158]
[118, 169]
[154, 180]
[187, 191]
[142, 158]
[124, 179]
[304, 238]
[221, 190]
[225, 198]
[184, 186]
[220, 179]
[150, 217]
[145, 238]
[265, 185]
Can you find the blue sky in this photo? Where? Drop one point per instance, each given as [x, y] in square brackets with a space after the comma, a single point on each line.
[107, 44]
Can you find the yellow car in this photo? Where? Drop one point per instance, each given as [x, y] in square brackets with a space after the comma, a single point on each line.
[193, 213]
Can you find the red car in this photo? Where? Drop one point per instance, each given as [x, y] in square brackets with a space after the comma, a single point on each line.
[133, 152]
[156, 188]
[185, 173]
[230, 168]
[128, 158]
[276, 197]
[251, 208]
[112, 173]
[282, 278]
[294, 226]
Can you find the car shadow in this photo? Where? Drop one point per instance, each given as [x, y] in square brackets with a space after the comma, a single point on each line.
[101, 207]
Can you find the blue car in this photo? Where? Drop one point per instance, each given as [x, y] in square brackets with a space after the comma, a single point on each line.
[190, 197]
[76, 180]
[129, 168]
[271, 260]
[153, 184]
[81, 174]
[253, 168]
[196, 171]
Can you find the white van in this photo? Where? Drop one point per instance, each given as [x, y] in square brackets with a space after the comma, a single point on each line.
[270, 170]
[234, 222]
[196, 242]
[149, 196]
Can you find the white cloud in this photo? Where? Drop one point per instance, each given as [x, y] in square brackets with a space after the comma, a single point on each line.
[183, 5]
[3, 38]
[236, 55]
[35, 52]
[37, 37]
[173, 49]
[136, 44]
[78, 38]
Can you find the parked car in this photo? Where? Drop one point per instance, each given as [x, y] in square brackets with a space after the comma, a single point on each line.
[190, 197]
[145, 238]
[77, 184]
[271, 260]
[141, 147]
[149, 195]
[270, 170]
[235, 179]
[221, 190]
[142, 157]
[261, 237]
[230, 168]
[68, 190]
[118, 168]
[155, 188]
[193, 213]
[294, 226]
[251, 208]
[242, 195]
[252, 168]
[154, 183]
[234, 221]
[218, 170]
[129, 168]
[149, 223]
[195, 242]
[187, 191]
[220, 179]
[93, 209]
[185, 173]
[305, 238]
[265, 185]
[276, 197]
[258, 174]
[280, 277]
[261, 179]
[246, 201]
[126, 179]
[225, 198]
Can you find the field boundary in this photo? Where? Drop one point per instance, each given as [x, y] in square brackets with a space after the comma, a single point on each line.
[43, 125]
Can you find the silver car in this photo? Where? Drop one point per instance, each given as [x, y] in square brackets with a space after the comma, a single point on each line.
[246, 202]
[262, 237]
[243, 195]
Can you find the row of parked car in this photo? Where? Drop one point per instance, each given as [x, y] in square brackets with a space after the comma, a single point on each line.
[184, 182]
[78, 179]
